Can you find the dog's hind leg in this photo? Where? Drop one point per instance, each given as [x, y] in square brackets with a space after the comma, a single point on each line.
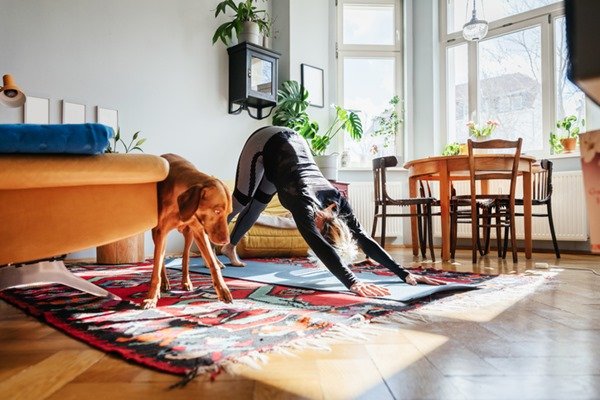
[159, 237]
[221, 288]
[186, 282]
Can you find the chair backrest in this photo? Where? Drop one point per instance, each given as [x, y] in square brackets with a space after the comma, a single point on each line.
[379, 177]
[479, 172]
[542, 182]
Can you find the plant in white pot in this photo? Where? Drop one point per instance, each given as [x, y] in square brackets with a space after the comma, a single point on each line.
[345, 120]
[291, 113]
[248, 22]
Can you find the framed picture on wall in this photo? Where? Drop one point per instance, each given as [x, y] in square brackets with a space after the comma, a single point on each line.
[36, 110]
[73, 113]
[313, 80]
[107, 116]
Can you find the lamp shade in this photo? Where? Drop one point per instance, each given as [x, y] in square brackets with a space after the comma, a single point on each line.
[475, 29]
[10, 94]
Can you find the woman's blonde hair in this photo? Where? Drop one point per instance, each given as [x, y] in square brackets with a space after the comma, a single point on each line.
[336, 232]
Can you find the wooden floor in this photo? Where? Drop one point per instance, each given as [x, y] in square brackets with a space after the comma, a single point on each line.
[545, 346]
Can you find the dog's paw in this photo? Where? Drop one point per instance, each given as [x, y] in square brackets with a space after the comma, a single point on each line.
[224, 295]
[220, 264]
[165, 286]
[149, 303]
[187, 285]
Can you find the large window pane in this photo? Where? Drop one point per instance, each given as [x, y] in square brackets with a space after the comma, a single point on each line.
[569, 99]
[510, 89]
[459, 11]
[368, 24]
[457, 92]
[368, 87]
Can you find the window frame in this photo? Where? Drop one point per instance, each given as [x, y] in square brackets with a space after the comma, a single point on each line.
[395, 51]
[545, 18]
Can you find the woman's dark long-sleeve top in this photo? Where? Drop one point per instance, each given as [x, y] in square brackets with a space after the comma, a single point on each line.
[302, 190]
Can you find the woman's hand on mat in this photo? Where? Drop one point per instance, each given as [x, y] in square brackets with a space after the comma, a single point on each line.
[414, 279]
[369, 290]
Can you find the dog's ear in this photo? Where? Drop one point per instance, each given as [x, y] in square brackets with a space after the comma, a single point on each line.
[189, 201]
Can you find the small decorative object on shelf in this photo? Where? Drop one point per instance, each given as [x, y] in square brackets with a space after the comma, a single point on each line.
[253, 74]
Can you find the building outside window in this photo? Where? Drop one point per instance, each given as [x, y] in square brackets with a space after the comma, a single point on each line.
[515, 75]
[369, 58]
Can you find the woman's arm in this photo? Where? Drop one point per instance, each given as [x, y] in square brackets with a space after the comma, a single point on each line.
[369, 246]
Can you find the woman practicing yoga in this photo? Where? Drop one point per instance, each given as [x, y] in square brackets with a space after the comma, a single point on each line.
[278, 160]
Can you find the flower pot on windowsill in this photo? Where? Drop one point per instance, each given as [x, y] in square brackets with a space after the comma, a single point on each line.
[125, 251]
[569, 144]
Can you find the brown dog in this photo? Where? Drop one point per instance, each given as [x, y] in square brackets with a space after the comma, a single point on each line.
[197, 205]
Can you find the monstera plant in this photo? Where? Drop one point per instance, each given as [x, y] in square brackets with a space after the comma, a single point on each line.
[291, 113]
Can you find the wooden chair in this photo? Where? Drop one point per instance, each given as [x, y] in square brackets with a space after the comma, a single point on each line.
[542, 195]
[460, 213]
[503, 204]
[383, 200]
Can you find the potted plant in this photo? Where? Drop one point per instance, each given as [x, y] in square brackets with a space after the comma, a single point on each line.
[130, 249]
[248, 22]
[452, 149]
[291, 113]
[481, 133]
[386, 124]
[567, 141]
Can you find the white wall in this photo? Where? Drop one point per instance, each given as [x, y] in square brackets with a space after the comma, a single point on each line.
[304, 29]
[150, 59]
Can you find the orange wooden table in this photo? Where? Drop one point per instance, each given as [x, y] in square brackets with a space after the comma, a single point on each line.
[446, 169]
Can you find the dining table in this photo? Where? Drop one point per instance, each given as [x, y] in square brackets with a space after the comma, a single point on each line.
[446, 169]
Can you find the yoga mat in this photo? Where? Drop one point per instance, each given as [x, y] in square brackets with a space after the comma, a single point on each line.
[296, 275]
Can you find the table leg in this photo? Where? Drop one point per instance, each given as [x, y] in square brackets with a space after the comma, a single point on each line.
[445, 211]
[412, 192]
[527, 213]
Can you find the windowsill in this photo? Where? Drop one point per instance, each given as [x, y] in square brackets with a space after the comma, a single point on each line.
[561, 156]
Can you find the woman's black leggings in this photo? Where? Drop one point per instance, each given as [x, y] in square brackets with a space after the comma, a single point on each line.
[253, 190]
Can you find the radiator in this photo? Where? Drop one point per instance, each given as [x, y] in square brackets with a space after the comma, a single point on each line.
[362, 198]
[568, 207]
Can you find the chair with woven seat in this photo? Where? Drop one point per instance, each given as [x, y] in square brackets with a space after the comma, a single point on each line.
[500, 206]
[383, 200]
[542, 195]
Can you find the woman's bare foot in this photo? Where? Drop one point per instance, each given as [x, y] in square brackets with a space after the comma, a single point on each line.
[229, 251]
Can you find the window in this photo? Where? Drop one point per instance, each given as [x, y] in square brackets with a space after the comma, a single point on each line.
[459, 11]
[515, 75]
[369, 71]
[510, 65]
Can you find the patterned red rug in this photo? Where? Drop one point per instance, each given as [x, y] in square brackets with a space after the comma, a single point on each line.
[192, 332]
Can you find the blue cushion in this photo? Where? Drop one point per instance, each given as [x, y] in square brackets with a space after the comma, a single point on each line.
[53, 139]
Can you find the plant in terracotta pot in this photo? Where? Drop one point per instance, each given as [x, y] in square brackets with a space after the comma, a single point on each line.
[130, 249]
[248, 22]
[566, 140]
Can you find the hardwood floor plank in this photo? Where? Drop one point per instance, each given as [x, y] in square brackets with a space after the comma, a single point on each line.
[46, 377]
